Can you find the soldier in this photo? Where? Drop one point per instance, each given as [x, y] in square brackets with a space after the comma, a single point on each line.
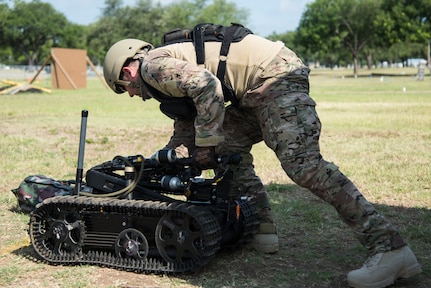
[271, 89]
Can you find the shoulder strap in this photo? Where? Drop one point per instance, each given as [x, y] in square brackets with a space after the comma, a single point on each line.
[182, 108]
[210, 32]
[221, 69]
[199, 42]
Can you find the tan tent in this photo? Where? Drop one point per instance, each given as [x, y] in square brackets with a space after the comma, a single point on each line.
[68, 71]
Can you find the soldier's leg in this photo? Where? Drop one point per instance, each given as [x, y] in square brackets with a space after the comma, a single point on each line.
[247, 183]
[241, 131]
[293, 133]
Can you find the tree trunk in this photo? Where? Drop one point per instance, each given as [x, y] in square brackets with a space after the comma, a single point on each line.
[370, 61]
[31, 61]
[355, 66]
[429, 54]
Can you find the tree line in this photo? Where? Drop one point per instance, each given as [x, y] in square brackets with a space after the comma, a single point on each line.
[365, 31]
[331, 32]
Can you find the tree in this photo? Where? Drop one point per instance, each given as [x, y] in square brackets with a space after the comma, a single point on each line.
[316, 30]
[357, 28]
[289, 39]
[149, 21]
[4, 51]
[221, 12]
[30, 26]
[3, 12]
[143, 21]
[405, 27]
[111, 7]
[327, 26]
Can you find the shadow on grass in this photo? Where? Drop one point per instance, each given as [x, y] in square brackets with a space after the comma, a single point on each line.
[316, 248]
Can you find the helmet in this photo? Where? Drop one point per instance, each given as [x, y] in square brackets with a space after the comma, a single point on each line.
[115, 58]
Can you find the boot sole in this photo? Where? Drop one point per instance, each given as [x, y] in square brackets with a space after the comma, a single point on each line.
[411, 271]
[266, 243]
[404, 274]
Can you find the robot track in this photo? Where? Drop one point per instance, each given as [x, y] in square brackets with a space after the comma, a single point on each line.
[132, 235]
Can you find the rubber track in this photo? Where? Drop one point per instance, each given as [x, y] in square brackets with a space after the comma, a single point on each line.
[211, 233]
[251, 220]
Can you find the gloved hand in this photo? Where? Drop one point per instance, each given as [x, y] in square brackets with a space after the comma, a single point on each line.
[204, 158]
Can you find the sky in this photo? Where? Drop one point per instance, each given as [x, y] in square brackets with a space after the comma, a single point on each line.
[266, 16]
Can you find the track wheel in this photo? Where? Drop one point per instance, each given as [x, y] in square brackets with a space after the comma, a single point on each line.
[57, 231]
[131, 243]
[179, 238]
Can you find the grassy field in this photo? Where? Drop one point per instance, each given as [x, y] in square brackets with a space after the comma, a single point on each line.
[376, 129]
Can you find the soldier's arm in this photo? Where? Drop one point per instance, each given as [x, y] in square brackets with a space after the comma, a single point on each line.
[178, 78]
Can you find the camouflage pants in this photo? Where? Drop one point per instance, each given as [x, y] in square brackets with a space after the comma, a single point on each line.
[280, 112]
[292, 132]
[242, 131]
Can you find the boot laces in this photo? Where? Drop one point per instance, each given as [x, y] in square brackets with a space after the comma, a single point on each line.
[373, 260]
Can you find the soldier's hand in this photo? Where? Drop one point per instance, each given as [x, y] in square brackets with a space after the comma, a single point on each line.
[204, 158]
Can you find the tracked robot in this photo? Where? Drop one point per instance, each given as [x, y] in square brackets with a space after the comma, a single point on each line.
[155, 215]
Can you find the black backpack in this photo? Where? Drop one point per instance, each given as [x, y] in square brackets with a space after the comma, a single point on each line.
[184, 108]
[205, 32]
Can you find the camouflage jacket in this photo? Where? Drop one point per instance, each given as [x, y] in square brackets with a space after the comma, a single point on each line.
[172, 70]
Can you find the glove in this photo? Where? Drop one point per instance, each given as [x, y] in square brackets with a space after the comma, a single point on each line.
[204, 158]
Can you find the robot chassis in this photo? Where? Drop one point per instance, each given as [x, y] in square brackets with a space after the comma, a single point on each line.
[153, 215]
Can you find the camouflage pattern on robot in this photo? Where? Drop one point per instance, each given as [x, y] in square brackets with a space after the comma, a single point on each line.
[36, 188]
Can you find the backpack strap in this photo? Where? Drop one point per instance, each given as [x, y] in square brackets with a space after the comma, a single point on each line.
[182, 108]
[221, 69]
[199, 43]
[210, 32]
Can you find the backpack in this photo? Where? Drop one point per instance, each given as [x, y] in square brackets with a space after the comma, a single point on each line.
[36, 188]
[183, 108]
[206, 32]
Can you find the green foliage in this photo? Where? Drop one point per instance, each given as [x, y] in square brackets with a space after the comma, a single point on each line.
[149, 21]
[337, 25]
[186, 13]
[404, 27]
[3, 12]
[29, 26]
[287, 38]
[221, 12]
[332, 32]
[29, 31]
[290, 39]
[403, 21]
[316, 30]
[364, 28]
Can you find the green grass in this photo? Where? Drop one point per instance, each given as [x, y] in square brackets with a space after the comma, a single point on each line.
[377, 134]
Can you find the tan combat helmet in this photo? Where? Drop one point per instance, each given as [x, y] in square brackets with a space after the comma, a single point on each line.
[115, 58]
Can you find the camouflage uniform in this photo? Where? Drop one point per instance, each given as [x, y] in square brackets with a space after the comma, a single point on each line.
[272, 86]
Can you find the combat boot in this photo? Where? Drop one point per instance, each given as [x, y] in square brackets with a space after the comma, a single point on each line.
[266, 239]
[382, 269]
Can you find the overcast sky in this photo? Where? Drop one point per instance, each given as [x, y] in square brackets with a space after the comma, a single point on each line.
[266, 16]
